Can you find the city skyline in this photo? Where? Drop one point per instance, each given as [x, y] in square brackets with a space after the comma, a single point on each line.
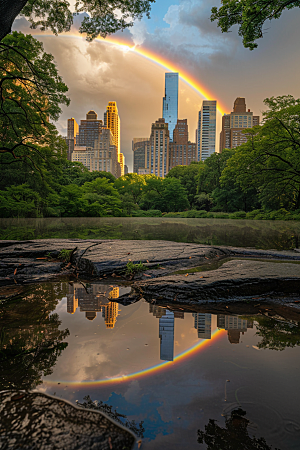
[101, 71]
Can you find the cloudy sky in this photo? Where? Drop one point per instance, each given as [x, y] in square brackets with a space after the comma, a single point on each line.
[181, 34]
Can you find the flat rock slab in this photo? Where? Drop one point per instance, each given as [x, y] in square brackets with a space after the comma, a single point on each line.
[37, 260]
[38, 421]
[26, 260]
[233, 280]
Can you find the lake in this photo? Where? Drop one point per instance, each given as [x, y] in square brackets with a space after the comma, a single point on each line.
[280, 235]
[181, 376]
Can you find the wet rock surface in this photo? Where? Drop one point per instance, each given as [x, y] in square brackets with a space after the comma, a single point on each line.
[233, 280]
[39, 260]
[38, 421]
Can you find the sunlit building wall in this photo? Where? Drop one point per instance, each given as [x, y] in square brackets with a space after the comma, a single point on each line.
[110, 314]
[112, 122]
[234, 123]
[72, 131]
[170, 102]
[181, 150]
[102, 157]
[159, 148]
[89, 130]
[206, 130]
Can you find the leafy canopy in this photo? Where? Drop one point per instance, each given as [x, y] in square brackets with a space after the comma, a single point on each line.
[250, 16]
[31, 93]
[270, 159]
[102, 18]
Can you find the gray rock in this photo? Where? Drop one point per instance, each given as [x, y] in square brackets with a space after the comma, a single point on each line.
[233, 280]
[38, 421]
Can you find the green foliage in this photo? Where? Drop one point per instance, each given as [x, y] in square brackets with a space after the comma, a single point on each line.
[277, 334]
[65, 254]
[31, 92]
[132, 268]
[103, 18]
[270, 160]
[164, 194]
[31, 339]
[188, 176]
[249, 16]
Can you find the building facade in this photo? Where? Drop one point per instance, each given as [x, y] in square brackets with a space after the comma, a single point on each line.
[181, 150]
[141, 154]
[170, 102]
[72, 131]
[234, 123]
[206, 130]
[89, 130]
[159, 148]
[113, 123]
[102, 157]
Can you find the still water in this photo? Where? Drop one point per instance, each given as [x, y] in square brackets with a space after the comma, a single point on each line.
[172, 372]
[281, 235]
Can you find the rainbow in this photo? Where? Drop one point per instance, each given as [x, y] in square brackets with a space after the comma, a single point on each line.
[190, 352]
[157, 59]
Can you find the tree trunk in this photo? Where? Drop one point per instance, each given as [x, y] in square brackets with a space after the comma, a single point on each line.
[9, 9]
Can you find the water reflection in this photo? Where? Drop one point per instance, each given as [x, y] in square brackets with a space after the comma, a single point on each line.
[234, 436]
[260, 234]
[31, 340]
[166, 368]
[92, 299]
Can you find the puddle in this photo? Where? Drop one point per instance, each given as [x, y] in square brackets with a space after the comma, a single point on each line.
[169, 372]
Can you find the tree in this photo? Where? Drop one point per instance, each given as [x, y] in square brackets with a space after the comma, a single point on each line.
[164, 194]
[131, 184]
[103, 17]
[31, 92]
[233, 437]
[31, 338]
[270, 159]
[250, 16]
[188, 176]
[101, 198]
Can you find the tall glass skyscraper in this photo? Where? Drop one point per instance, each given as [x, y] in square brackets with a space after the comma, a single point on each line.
[170, 102]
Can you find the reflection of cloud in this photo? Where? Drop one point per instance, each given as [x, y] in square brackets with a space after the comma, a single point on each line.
[133, 393]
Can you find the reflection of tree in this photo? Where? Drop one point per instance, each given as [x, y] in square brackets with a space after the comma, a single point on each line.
[277, 334]
[233, 437]
[138, 429]
[30, 339]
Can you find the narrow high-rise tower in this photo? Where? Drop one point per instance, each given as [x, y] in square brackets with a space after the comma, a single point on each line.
[112, 122]
[206, 130]
[170, 102]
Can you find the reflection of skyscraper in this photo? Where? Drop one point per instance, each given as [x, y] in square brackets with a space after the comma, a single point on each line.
[166, 334]
[234, 326]
[111, 312]
[157, 311]
[170, 101]
[93, 299]
[203, 325]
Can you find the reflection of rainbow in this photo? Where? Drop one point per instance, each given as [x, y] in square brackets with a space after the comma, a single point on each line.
[145, 372]
[157, 59]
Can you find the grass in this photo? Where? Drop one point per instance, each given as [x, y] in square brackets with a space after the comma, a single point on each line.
[132, 268]
[65, 255]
